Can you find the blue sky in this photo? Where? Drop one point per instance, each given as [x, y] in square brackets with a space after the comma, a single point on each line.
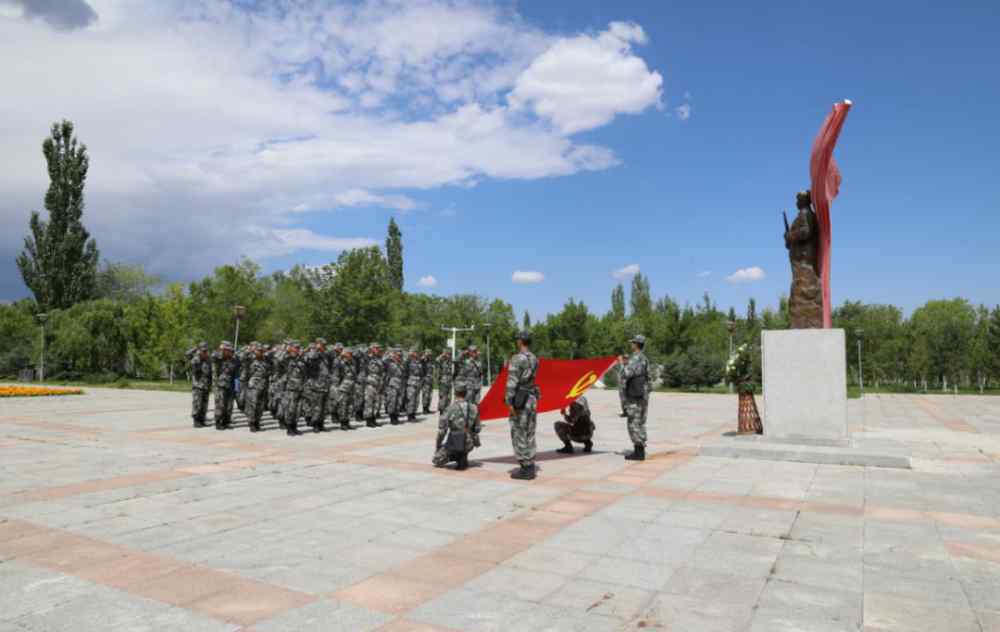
[576, 193]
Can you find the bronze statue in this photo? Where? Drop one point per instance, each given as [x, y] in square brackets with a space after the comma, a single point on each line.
[805, 302]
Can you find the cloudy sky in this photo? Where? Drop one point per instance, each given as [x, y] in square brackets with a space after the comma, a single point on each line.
[532, 151]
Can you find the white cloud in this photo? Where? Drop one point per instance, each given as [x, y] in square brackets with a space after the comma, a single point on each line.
[582, 82]
[747, 275]
[704, 274]
[683, 111]
[305, 106]
[630, 270]
[527, 276]
[427, 281]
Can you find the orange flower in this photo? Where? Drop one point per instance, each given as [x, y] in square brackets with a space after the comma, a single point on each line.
[36, 391]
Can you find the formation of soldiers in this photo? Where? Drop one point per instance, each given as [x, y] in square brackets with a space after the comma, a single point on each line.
[320, 382]
[348, 383]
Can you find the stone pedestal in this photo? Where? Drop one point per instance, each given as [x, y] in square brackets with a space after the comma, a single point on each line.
[805, 386]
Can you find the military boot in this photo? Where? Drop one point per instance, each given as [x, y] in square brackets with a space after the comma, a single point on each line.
[411, 418]
[462, 463]
[526, 473]
[371, 423]
[394, 419]
[318, 427]
[292, 429]
[588, 446]
[639, 454]
[345, 425]
[566, 449]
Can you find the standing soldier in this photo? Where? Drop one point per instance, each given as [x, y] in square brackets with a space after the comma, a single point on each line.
[345, 398]
[635, 371]
[276, 393]
[361, 367]
[295, 373]
[245, 356]
[225, 368]
[414, 382]
[201, 384]
[521, 397]
[471, 374]
[383, 388]
[373, 381]
[317, 383]
[427, 386]
[446, 376]
[258, 371]
[458, 432]
[394, 375]
[335, 364]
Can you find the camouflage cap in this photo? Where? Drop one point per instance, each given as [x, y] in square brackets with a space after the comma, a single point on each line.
[473, 348]
[225, 345]
[524, 335]
[338, 345]
[638, 339]
[320, 341]
[427, 351]
[202, 346]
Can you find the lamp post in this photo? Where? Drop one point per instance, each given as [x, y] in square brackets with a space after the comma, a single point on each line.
[731, 326]
[861, 375]
[489, 366]
[238, 313]
[454, 343]
[41, 363]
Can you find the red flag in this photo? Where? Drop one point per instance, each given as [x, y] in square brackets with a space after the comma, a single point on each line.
[825, 186]
[560, 382]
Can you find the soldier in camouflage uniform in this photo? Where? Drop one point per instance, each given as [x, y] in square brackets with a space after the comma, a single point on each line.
[361, 368]
[225, 368]
[373, 382]
[470, 373]
[276, 392]
[521, 396]
[414, 382]
[245, 356]
[335, 366]
[348, 380]
[576, 426]
[294, 383]
[258, 372]
[427, 386]
[620, 374]
[446, 376]
[317, 384]
[201, 384]
[462, 419]
[394, 375]
[635, 369]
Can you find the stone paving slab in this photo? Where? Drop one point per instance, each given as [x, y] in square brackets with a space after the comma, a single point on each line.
[116, 514]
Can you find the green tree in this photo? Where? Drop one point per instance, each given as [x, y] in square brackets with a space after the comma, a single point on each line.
[59, 260]
[526, 321]
[124, 281]
[641, 299]
[394, 255]
[213, 299]
[19, 337]
[993, 342]
[359, 296]
[618, 302]
[947, 328]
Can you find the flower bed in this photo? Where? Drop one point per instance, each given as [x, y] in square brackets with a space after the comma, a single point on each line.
[36, 391]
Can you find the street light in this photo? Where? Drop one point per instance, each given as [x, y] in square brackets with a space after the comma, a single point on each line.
[861, 375]
[731, 326]
[41, 364]
[238, 313]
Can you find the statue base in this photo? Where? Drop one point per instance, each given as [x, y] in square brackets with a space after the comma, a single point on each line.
[805, 386]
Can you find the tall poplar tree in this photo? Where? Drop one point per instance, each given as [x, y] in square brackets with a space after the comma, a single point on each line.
[59, 260]
[394, 255]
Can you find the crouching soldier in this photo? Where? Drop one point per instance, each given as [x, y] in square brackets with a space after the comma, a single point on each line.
[458, 432]
[576, 426]
[256, 387]
[201, 384]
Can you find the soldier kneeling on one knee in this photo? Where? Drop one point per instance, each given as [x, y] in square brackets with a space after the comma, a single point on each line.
[458, 432]
[576, 426]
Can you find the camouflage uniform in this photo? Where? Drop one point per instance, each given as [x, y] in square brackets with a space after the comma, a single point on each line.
[446, 376]
[414, 381]
[225, 371]
[427, 386]
[317, 384]
[336, 366]
[620, 373]
[294, 383]
[361, 368]
[276, 389]
[373, 382]
[521, 376]
[636, 408]
[245, 356]
[461, 416]
[394, 376]
[470, 373]
[348, 382]
[258, 372]
[201, 384]
[576, 426]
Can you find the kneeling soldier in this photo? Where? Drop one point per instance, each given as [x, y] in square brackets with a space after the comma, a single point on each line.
[576, 426]
[458, 432]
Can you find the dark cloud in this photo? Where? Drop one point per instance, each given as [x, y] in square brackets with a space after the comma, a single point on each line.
[60, 14]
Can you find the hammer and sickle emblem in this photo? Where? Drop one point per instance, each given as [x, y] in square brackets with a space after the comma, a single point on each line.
[582, 385]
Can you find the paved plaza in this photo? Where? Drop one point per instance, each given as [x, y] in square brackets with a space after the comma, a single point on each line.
[116, 514]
